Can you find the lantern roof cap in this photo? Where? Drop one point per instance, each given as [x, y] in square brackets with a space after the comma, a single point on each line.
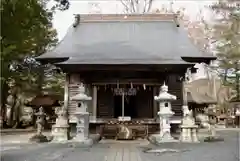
[164, 95]
[82, 96]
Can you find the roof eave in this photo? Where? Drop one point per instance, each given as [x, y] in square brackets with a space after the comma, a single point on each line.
[51, 60]
[200, 59]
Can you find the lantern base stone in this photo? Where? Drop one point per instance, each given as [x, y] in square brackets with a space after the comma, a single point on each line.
[38, 138]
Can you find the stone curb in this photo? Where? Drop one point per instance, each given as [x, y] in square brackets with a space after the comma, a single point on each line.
[17, 131]
[227, 129]
[70, 143]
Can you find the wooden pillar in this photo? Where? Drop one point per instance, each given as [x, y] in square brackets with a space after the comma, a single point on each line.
[155, 105]
[123, 104]
[66, 91]
[94, 103]
[66, 99]
[184, 93]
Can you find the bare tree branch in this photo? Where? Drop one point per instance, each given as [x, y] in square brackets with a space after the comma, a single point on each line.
[147, 5]
[125, 5]
[133, 6]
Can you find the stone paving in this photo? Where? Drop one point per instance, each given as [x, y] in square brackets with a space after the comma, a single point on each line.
[110, 150]
[124, 150]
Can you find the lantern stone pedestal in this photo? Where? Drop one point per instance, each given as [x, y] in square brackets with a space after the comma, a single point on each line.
[165, 113]
[189, 134]
[60, 129]
[188, 128]
[82, 117]
[82, 128]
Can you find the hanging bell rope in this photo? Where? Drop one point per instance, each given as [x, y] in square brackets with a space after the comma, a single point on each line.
[144, 86]
[117, 84]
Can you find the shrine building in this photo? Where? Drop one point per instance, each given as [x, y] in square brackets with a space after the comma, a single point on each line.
[123, 60]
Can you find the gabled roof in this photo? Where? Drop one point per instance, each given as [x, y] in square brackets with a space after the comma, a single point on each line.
[126, 39]
[201, 91]
[45, 100]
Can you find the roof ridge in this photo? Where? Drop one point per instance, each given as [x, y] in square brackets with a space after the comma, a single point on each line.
[127, 17]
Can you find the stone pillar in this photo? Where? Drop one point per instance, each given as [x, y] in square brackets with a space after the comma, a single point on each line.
[194, 135]
[94, 103]
[183, 136]
[185, 108]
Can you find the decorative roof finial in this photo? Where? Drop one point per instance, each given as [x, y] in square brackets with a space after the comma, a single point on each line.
[76, 20]
[176, 20]
[164, 88]
[81, 88]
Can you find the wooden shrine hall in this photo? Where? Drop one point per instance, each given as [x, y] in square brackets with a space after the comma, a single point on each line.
[122, 61]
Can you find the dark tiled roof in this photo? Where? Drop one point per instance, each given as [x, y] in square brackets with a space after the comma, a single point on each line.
[200, 98]
[110, 39]
[122, 61]
[45, 100]
[200, 91]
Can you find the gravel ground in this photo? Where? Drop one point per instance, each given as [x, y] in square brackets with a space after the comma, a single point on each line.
[228, 150]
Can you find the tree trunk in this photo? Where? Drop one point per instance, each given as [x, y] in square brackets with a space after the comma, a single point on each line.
[16, 112]
[4, 94]
[40, 81]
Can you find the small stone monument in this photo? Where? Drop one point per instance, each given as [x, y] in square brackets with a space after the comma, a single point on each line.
[206, 123]
[39, 137]
[60, 129]
[189, 128]
[82, 116]
[165, 113]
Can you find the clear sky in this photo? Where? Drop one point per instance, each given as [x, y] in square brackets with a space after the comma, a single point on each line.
[63, 19]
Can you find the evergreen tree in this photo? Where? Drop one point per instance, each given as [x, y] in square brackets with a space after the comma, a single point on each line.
[26, 32]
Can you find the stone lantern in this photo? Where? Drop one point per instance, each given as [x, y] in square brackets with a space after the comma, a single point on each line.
[165, 113]
[82, 116]
[40, 121]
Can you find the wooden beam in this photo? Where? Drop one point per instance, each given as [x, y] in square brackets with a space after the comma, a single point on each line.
[168, 68]
[125, 83]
